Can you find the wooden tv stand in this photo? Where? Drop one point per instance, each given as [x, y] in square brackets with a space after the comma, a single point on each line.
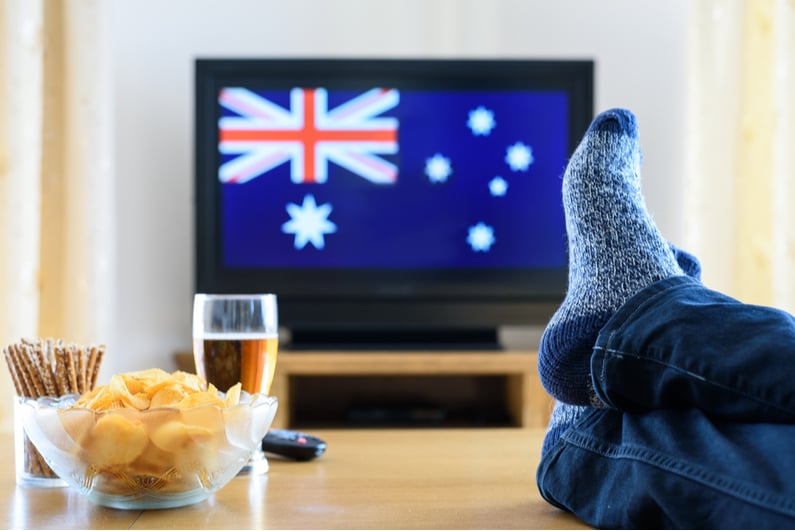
[526, 401]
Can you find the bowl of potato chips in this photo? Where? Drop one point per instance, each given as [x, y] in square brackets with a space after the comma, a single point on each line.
[148, 439]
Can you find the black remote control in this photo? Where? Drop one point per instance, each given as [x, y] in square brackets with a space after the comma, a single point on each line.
[293, 444]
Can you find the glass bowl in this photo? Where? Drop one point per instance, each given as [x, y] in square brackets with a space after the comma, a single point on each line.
[154, 458]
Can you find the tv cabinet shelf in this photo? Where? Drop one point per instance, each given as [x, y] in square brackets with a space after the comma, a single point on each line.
[525, 401]
[314, 387]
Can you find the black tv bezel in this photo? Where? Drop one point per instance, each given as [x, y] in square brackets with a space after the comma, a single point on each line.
[382, 303]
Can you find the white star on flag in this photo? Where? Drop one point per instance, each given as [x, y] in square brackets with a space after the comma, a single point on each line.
[309, 222]
[519, 156]
[481, 237]
[438, 168]
[481, 121]
[498, 186]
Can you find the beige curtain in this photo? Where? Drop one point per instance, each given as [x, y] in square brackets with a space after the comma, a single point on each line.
[740, 174]
[56, 182]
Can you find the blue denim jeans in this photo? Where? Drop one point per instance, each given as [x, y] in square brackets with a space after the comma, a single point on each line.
[699, 431]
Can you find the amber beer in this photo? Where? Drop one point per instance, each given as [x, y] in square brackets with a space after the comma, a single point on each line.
[223, 359]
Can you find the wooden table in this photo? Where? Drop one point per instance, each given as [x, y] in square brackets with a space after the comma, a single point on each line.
[367, 479]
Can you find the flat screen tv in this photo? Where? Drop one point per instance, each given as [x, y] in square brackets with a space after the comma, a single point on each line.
[391, 202]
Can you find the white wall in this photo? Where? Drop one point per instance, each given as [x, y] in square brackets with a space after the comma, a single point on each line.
[638, 45]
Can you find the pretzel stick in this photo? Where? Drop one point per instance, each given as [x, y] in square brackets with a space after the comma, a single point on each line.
[81, 370]
[91, 365]
[33, 463]
[95, 368]
[27, 342]
[70, 368]
[100, 357]
[45, 371]
[30, 360]
[12, 368]
[26, 386]
[17, 365]
[21, 358]
[60, 371]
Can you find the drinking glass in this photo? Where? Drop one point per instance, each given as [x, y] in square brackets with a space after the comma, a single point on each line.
[236, 339]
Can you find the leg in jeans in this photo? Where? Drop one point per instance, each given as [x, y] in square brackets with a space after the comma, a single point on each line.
[726, 465]
[712, 446]
[672, 469]
[678, 344]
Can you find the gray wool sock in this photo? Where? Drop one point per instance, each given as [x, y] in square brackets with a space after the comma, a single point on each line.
[615, 250]
[565, 415]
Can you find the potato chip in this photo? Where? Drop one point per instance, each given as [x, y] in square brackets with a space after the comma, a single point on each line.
[167, 396]
[77, 423]
[115, 440]
[154, 374]
[191, 381]
[201, 398]
[233, 395]
[179, 437]
[120, 387]
[152, 388]
[99, 399]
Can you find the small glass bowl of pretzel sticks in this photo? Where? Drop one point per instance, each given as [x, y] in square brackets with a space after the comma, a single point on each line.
[46, 368]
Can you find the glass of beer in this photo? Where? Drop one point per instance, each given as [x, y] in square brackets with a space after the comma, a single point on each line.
[236, 339]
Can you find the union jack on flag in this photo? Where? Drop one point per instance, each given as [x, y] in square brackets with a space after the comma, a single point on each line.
[261, 135]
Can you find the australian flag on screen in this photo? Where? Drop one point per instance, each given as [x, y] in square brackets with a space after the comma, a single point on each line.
[383, 177]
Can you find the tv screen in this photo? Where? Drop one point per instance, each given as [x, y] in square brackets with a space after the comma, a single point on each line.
[385, 200]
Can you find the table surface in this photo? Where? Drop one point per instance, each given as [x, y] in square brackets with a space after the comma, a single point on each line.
[367, 479]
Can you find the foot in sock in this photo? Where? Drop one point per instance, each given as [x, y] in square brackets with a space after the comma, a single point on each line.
[565, 415]
[615, 250]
